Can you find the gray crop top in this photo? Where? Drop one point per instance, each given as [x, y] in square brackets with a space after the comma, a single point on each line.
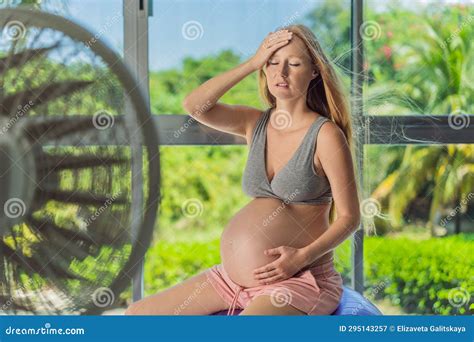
[297, 182]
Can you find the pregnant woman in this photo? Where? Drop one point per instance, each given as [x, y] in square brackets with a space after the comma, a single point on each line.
[277, 251]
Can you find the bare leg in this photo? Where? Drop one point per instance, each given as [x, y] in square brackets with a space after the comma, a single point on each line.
[194, 296]
[262, 305]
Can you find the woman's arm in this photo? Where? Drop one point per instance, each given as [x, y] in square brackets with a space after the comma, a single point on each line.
[337, 163]
[205, 96]
[202, 104]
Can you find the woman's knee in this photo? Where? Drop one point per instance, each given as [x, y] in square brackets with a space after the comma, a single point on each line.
[133, 309]
[193, 296]
[156, 304]
[265, 305]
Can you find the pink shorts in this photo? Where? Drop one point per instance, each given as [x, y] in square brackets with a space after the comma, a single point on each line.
[315, 291]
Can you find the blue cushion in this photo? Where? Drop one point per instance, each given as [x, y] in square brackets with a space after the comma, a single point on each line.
[352, 304]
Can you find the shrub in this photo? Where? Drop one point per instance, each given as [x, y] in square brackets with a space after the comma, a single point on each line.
[432, 276]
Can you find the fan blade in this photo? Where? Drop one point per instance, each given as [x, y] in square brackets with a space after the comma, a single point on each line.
[11, 304]
[58, 126]
[79, 245]
[81, 197]
[41, 95]
[56, 267]
[28, 265]
[21, 58]
[106, 230]
[31, 266]
[99, 233]
[42, 224]
[72, 162]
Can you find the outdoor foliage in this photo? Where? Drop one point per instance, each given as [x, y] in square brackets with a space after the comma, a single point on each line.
[431, 276]
[427, 74]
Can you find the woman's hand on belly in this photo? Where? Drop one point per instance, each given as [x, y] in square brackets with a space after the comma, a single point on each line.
[290, 260]
[249, 233]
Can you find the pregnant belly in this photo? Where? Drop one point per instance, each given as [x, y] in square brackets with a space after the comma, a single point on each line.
[262, 224]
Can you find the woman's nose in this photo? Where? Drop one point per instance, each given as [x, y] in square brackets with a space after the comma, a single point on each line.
[283, 70]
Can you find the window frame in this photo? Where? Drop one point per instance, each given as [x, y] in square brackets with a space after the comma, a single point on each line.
[385, 130]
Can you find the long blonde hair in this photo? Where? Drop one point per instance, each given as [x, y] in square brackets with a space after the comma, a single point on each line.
[326, 94]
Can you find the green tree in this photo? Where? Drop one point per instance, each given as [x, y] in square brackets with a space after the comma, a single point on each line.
[434, 76]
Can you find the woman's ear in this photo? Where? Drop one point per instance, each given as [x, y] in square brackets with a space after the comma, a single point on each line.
[314, 74]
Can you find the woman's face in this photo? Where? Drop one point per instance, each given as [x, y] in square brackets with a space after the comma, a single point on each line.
[289, 70]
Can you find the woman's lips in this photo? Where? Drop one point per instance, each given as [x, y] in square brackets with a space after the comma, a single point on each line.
[282, 85]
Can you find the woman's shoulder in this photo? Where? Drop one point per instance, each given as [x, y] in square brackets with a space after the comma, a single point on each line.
[252, 122]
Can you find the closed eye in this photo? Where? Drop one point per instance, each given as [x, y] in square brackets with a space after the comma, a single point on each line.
[275, 63]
